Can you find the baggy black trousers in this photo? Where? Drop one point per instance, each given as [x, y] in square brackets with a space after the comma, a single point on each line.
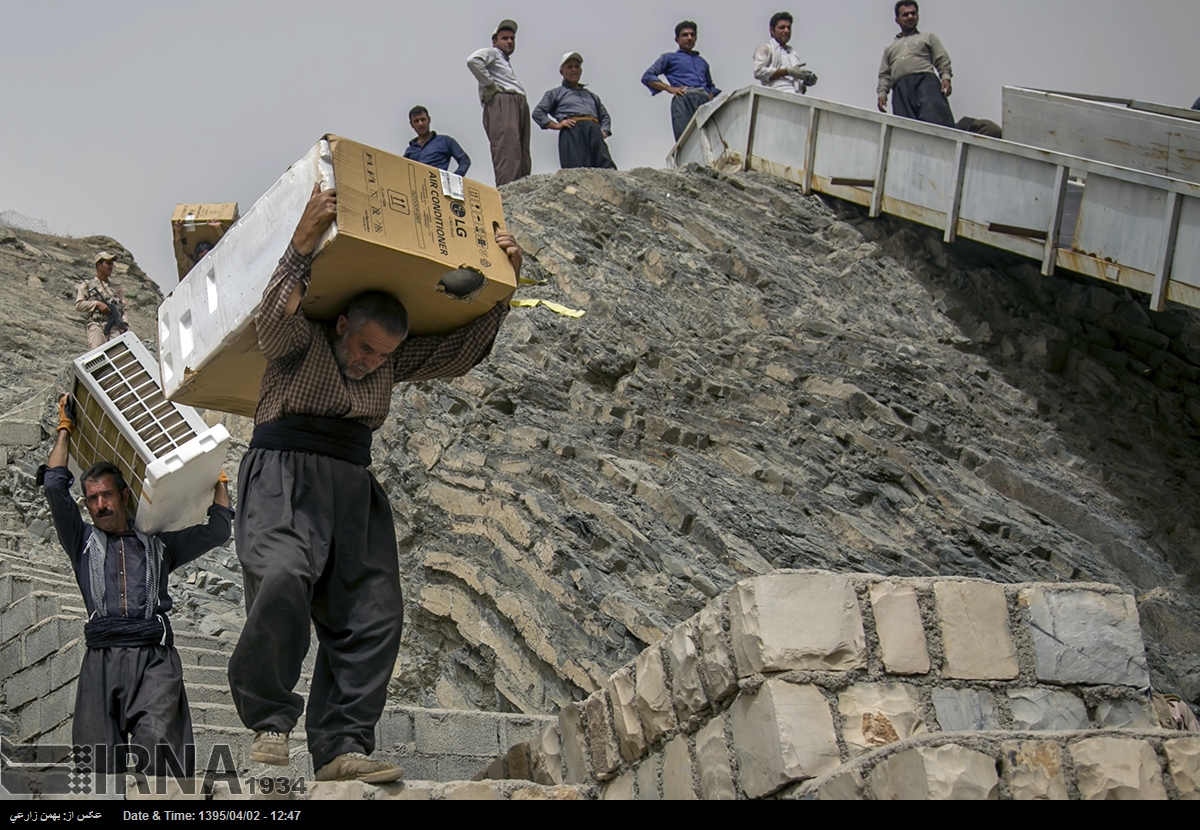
[683, 108]
[920, 97]
[131, 701]
[316, 541]
[583, 146]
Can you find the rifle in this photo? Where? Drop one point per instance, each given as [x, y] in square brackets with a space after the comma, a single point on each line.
[116, 314]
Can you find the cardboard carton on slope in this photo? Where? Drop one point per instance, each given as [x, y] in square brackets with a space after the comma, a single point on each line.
[194, 224]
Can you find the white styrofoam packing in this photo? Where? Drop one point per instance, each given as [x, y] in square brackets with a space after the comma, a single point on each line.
[216, 303]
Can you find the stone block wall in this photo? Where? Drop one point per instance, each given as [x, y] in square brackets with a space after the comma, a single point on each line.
[1112, 765]
[792, 676]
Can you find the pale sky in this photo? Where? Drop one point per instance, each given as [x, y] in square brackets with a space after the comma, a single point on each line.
[115, 110]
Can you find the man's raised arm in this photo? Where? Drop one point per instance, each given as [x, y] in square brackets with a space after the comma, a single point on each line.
[281, 329]
[56, 483]
[191, 543]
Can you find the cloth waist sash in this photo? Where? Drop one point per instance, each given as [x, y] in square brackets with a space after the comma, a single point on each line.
[127, 632]
[334, 437]
[591, 118]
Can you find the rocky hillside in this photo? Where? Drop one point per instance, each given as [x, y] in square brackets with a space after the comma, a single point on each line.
[42, 332]
[761, 380]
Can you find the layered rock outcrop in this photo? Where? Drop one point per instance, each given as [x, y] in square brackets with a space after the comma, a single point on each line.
[761, 380]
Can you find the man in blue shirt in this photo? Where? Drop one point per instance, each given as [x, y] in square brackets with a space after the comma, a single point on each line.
[433, 149]
[688, 78]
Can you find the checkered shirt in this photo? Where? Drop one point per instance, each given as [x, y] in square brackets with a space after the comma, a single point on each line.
[302, 376]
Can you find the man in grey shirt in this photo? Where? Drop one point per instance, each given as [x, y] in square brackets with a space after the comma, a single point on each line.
[505, 109]
[579, 116]
[910, 69]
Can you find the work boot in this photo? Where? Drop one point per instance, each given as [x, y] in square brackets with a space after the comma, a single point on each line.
[354, 766]
[270, 748]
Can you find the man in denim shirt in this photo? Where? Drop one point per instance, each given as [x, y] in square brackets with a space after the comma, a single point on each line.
[433, 149]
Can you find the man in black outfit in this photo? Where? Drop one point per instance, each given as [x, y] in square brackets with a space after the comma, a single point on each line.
[130, 692]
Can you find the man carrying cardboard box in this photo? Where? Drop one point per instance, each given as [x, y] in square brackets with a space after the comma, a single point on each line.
[314, 531]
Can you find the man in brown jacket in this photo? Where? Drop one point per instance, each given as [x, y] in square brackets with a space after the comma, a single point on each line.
[910, 70]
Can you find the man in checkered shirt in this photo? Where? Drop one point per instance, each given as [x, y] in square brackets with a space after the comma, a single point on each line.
[314, 528]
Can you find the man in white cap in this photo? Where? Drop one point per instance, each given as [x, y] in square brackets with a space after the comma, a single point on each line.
[505, 109]
[579, 116]
[776, 64]
[103, 302]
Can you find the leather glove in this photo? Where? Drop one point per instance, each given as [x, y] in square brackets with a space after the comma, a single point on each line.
[222, 478]
[809, 78]
[66, 414]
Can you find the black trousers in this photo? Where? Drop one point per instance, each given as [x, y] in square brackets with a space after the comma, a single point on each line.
[920, 97]
[130, 701]
[583, 146]
[316, 542]
[683, 108]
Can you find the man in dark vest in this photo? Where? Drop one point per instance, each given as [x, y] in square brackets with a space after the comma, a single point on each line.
[130, 692]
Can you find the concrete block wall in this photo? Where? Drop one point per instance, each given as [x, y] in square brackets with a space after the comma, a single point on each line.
[791, 676]
[443, 745]
[41, 649]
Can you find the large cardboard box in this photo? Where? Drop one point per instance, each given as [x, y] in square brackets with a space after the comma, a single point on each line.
[401, 227]
[193, 224]
[170, 458]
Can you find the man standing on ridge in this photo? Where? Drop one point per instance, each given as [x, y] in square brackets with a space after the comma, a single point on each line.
[776, 65]
[579, 116]
[131, 683]
[433, 149]
[103, 301]
[505, 109]
[688, 78]
[314, 528]
[910, 69]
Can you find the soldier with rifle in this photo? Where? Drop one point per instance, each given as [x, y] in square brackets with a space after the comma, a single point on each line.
[103, 302]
